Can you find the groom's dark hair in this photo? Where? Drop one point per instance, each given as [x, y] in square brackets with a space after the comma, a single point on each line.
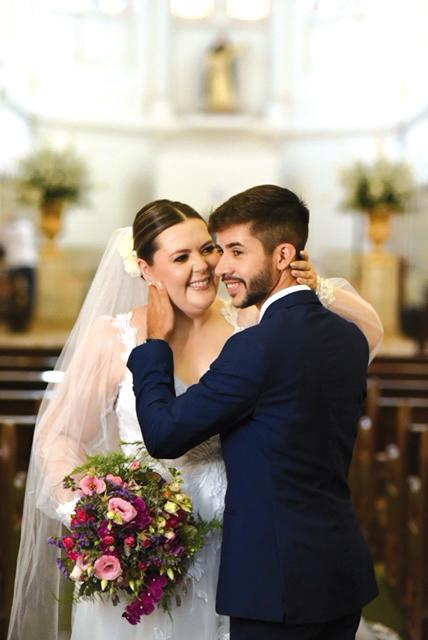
[275, 214]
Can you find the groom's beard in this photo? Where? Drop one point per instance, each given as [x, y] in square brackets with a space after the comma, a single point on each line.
[259, 288]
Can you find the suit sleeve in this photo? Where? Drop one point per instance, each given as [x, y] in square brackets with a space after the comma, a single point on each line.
[224, 396]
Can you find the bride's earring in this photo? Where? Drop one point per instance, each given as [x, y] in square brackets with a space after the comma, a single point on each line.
[147, 280]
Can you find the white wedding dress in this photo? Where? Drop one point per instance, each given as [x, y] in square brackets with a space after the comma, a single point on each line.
[204, 478]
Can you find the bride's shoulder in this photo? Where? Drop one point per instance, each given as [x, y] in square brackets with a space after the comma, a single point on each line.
[239, 318]
[113, 326]
[138, 322]
[226, 309]
[248, 317]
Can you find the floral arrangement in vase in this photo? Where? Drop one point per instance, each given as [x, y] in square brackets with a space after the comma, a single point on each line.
[382, 187]
[47, 175]
[50, 179]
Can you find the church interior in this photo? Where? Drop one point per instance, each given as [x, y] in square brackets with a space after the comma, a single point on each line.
[106, 105]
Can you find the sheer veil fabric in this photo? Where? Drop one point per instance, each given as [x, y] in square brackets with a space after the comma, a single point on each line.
[77, 418]
[350, 305]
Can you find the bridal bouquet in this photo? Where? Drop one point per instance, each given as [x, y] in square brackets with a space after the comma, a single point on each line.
[132, 533]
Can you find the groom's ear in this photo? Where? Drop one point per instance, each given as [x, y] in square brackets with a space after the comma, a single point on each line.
[284, 254]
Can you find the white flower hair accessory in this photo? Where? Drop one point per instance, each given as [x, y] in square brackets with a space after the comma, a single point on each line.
[128, 254]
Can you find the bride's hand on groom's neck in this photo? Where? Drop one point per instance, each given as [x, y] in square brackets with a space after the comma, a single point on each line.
[160, 313]
[303, 270]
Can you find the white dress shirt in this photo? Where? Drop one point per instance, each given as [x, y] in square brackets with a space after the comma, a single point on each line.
[280, 294]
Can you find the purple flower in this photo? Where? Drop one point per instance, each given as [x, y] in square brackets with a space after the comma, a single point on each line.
[179, 550]
[157, 562]
[156, 587]
[103, 529]
[61, 566]
[143, 520]
[56, 542]
[133, 612]
[139, 504]
[143, 605]
[148, 603]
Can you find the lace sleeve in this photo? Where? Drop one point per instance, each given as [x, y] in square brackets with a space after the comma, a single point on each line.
[78, 419]
[348, 304]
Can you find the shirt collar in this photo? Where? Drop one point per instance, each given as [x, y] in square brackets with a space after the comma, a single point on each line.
[280, 294]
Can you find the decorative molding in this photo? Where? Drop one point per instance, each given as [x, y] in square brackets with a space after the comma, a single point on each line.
[211, 123]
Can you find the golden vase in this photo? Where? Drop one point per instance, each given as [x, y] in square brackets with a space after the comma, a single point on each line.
[51, 210]
[379, 226]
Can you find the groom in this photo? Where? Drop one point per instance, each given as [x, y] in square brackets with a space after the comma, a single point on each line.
[285, 397]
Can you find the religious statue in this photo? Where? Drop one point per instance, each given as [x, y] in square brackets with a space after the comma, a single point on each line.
[220, 77]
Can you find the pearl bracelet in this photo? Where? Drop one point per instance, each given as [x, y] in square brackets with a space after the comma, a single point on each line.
[325, 292]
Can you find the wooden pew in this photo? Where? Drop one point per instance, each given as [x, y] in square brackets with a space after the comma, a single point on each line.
[20, 401]
[376, 475]
[387, 474]
[38, 362]
[7, 456]
[27, 380]
[23, 350]
[415, 551]
[397, 466]
[410, 368]
[11, 428]
[361, 475]
[24, 375]
[403, 387]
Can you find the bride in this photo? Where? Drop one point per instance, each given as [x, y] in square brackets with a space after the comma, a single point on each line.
[93, 409]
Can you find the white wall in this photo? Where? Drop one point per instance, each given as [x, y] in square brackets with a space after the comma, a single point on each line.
[126, 93]
[121, 177]
[16, 137]
[411, 231]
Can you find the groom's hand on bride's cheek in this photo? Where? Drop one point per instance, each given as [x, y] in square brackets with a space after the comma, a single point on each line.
[160, 313]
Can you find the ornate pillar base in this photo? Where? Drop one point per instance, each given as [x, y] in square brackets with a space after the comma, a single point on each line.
[380, 285]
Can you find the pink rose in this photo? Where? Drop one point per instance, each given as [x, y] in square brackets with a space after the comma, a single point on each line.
[107, 568]
[130, 541]
[135, 465]
[122, 507]
[114, 479]
[92, 484]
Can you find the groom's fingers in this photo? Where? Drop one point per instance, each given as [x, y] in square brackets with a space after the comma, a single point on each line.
[160, 313]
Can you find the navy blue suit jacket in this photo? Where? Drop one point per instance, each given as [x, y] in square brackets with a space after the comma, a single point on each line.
[285, 396]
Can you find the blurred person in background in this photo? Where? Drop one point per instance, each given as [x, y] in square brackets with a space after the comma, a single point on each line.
[19, 243]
